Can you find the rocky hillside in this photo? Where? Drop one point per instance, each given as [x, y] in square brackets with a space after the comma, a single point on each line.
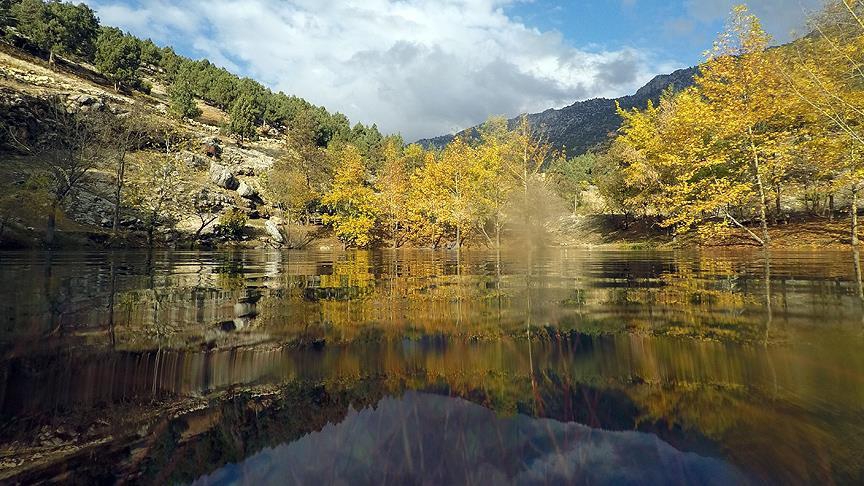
[225, 175]
[588, 124]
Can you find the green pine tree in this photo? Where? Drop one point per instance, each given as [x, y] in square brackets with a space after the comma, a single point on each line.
[182, 99]
[118, 57]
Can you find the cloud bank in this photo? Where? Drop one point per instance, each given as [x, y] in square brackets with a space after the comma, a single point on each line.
[419, 67]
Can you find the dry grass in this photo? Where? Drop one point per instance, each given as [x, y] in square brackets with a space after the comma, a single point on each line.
[211, 115]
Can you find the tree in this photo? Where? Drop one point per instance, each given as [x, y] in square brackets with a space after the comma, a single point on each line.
[69, 148]
[446, 190]
[749, 111]
[527, 152]
[182, 100]
[246, 110]
[6, 17]
[206, 210]
[125, 134]
[171, 63]
[711, 150]
[58, 27]
[222, 90]
[352, 202]
[159, 190]
[571, 177]
[118, 57]
[393, 186]
[151, 55]
[306, 162]
[289, 188]
[495, 183]
[826, 76]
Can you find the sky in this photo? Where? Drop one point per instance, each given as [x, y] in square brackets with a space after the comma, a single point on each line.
[424, 68]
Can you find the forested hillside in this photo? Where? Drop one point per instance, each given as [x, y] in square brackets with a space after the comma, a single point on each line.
[55, 28]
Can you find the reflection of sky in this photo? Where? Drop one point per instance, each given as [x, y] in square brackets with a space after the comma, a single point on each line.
[431, 439]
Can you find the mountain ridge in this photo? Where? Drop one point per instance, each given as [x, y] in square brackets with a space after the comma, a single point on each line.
[587, 124]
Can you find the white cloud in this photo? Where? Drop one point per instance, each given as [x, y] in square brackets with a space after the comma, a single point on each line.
[420, 67]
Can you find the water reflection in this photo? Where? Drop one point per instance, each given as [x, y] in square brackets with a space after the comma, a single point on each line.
[175, 366]
[430, 439]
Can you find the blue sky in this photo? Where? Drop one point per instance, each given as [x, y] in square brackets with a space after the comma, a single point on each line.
[680, 29]
[428, 67]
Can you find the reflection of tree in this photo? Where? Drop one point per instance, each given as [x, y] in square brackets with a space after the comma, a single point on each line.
[859, 280]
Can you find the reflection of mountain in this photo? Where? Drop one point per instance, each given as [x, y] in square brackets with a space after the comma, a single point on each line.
[430, 439]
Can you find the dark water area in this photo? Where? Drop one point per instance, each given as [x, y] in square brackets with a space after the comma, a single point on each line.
[544, 367]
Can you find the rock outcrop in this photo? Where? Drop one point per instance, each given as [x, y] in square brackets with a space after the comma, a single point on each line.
[222, 177]
[246, 191]
[274, 232]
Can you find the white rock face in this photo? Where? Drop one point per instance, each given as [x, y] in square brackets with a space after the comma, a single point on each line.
[222, 177]
[274, 232]
[245, 190]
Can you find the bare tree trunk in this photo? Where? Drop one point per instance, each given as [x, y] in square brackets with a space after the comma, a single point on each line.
[831, 207]
[856, 254]
[763, 209]
[748, 230]
[3, 222]
[52, 225]
[151, 229]
[288, 227]
[118, 193]
[854, 213]
[778, 204]
[763, 200]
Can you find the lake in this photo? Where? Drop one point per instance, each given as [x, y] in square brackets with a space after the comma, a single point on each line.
[420, 367]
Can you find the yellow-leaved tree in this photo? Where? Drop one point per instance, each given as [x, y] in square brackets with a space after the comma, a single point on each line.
[496, 186]
[526, 151]
[393, 187]
[351, 201]
[827, 76]
[447, 188]
[745, 91]
[704, 157]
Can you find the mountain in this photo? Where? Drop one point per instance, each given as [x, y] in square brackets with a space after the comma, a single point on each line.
[585, 125]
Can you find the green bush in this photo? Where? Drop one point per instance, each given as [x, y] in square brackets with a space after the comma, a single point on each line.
[232, 223]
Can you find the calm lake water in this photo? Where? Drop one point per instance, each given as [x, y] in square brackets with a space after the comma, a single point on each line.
[543, 367]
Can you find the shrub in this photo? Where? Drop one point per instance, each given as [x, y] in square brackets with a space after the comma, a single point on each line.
[232, 223]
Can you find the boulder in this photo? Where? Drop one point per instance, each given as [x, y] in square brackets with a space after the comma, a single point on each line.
[222, 177]
[274, 231]
[86, 100]
[246, 191]
[213, 148]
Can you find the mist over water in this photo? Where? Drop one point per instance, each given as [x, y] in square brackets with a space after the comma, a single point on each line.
[404, 366]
